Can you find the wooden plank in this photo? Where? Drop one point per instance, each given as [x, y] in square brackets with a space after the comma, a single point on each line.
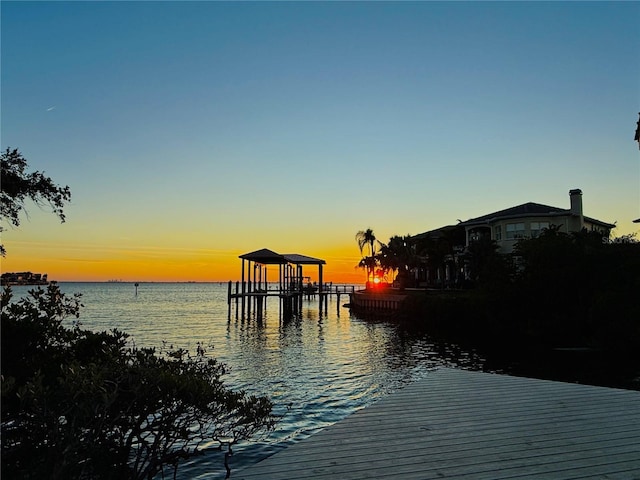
[462, 424]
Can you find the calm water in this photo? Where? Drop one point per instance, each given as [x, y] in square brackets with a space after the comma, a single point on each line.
[316, 368]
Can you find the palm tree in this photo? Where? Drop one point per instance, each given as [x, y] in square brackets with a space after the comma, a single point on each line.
[368, 263]
[367, 237]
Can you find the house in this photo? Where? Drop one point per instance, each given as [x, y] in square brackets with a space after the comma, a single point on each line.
[505, 227]
[508, 226]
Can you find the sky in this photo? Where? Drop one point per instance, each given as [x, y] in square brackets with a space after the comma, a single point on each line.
[190, 133]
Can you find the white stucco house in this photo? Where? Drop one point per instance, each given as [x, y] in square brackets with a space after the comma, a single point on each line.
[507, 226]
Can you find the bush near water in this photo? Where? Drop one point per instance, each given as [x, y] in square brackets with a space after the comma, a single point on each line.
[83, 404]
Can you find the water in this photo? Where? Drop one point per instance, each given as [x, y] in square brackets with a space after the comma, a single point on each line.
[317, 369]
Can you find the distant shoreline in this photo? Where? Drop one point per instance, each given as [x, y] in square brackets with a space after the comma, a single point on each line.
[23, 279]
[131, 282]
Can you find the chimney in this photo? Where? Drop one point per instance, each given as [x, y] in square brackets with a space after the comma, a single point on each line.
[576, 209]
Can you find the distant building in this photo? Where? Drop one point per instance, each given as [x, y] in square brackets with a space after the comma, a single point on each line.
[23, 278]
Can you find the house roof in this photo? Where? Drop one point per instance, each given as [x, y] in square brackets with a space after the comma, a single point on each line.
[435, 234]
[529, 209]
[599, 222]
[269, 257]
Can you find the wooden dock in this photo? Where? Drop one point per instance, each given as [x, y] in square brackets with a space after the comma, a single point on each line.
[457, 424]
[253, 296]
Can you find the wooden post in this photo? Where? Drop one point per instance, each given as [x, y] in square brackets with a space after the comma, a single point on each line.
[243, 287]
[289, 306]
[253, 277]
[320, 289]
[237, 290]
[266, 285]
[259, 307]
[229, 302]
[300, 288]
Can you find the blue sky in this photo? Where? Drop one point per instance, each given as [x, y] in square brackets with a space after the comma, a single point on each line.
[219, 128]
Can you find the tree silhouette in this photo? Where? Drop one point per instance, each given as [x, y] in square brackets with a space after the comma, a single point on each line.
[84, 404]
[439, 250]
[367, 237]
[398, 256]
[18, 186]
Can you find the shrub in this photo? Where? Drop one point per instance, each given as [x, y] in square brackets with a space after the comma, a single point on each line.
[83, 404]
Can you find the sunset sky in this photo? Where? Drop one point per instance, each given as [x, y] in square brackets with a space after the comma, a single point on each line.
[193, 132]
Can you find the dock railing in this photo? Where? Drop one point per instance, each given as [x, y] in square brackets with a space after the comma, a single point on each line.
[253, 295]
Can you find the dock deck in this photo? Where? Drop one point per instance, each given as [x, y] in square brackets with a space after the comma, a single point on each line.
[457, 424]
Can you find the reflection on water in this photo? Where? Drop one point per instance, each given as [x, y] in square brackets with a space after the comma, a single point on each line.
[317, 368]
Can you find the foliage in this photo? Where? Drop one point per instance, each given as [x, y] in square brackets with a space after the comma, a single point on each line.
[628, 238]
[637, 134]
[369, 264]
[399, 256]
[18, 186]
[82, 404]
[363, 238]
[485, 264]
[556, 290]
[438, 251]
[366, 237]
[580, 288]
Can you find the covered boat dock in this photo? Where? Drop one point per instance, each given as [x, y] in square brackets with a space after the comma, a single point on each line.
[255, 286]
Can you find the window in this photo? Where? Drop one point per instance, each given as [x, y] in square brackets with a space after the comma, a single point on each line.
[474, 236]
[478, 233]
[497, 233]
[515, 231]
[537, 228]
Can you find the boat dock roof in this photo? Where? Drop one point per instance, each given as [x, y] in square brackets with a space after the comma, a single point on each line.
[269, 257]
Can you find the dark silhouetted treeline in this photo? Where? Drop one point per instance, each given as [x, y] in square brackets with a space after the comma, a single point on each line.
[556, 293]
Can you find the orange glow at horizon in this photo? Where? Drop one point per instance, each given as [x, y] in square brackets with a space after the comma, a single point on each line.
[94, 263]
